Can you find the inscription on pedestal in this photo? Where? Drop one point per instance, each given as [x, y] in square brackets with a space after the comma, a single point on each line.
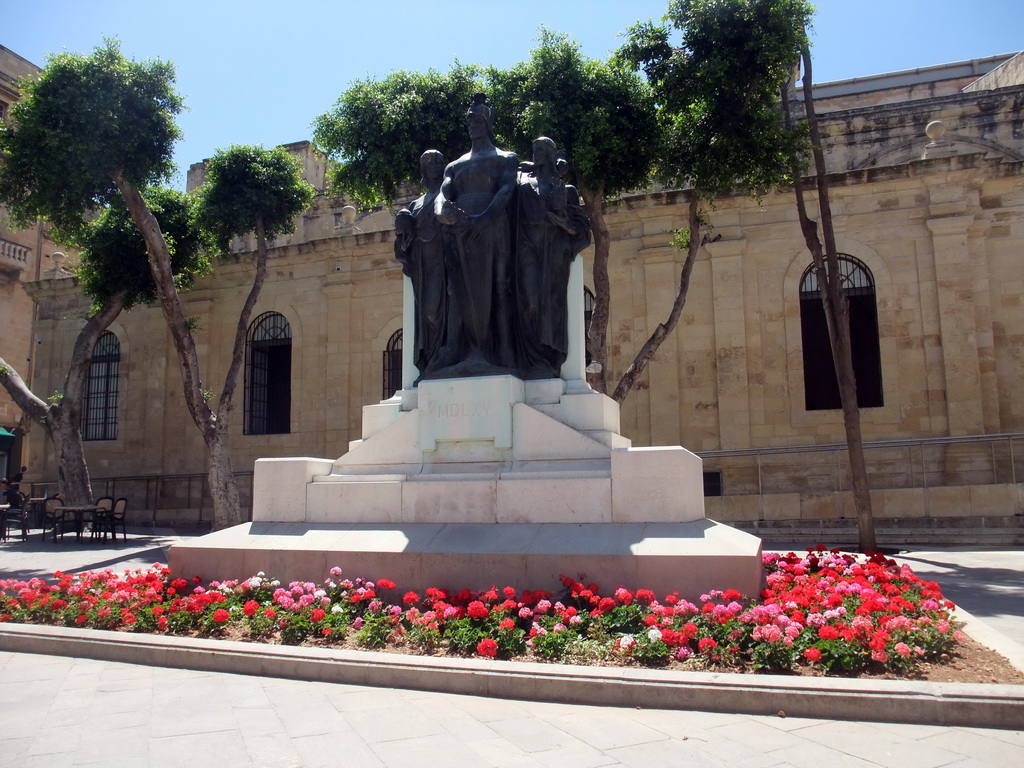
[460, 410]
[468, 409]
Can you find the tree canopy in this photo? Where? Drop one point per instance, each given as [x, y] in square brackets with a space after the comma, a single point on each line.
[718, 89]
[602, 116]
[249, 186]
[378, 129]
[114, 254]
[84, 119]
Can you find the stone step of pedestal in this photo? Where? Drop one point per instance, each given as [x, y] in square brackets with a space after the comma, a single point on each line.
[691, 558]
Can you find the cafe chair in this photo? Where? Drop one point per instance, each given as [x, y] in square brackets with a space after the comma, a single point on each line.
[101, 517]
[18, 513]
[117, 517]
[53, 518]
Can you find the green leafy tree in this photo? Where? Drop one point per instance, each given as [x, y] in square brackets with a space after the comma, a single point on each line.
[114, 255]
[377, 130]
[716, 67]
[603, 117]
[112, 271]
[93, 127]
[825, 258]
[719, 90]
[247, 189]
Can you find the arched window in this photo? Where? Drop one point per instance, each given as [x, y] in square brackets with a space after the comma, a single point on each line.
[588, 313]
[392, 368]
[101, 392]
[821, 389]
[268, 376]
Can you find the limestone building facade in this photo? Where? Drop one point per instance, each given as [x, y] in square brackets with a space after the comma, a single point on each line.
[24, 256]
[927, 178]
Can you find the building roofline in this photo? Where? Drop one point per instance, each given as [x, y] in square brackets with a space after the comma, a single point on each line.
[935, 73]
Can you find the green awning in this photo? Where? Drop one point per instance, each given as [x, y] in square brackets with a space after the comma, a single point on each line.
[6, 440]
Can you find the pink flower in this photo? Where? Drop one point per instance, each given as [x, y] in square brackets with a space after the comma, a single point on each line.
[902, 649]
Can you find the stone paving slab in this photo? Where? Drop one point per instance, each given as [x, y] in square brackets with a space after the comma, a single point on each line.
[180, 717]
[993, 706]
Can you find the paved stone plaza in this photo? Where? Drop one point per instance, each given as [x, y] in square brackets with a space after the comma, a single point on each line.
[59, 711]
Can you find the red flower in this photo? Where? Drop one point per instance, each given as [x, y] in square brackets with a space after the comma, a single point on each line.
[706, 644]
[385, 583]
[812, 654]
[317, 615]
[477, 610]
[645, 596]
[828, 632]
[730, 595]
[410, 598]
[487, 647]
[221, 615]
[128, 617]
[507, 624]
[250, 607]
[605, 605]
[270, 613]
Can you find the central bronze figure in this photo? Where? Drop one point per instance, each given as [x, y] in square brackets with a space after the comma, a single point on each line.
[508, 233]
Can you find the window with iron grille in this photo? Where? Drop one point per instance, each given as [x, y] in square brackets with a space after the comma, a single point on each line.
[268, 376]
[99, 420]
[588, 314]
[821, 388]
[392, 368]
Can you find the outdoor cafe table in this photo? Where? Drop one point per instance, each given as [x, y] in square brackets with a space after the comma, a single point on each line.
[79, 512]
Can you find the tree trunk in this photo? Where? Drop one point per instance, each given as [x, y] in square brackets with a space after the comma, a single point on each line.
[62, 419]
[837, 316]
[597, 334]
[643, 357]
[221, 478]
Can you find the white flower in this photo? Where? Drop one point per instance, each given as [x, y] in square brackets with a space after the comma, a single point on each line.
[654, 634]
[336, 609]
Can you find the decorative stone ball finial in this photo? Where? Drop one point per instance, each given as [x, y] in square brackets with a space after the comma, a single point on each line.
[935, 130]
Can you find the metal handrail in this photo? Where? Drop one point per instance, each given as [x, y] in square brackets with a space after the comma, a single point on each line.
[898, 443]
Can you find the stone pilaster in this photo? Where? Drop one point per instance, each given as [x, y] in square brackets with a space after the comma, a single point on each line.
[954, 285]
[731, 342]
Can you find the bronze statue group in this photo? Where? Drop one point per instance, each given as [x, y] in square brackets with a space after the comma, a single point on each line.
[488, 248]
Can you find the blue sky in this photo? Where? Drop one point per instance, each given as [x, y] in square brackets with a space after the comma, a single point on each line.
[259, 72]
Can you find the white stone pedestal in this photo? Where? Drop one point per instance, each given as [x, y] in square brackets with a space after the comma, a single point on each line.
[469, 482]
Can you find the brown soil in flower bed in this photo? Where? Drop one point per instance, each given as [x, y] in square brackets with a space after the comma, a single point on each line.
[973, 663]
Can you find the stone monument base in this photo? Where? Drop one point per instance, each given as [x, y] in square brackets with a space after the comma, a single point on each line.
[690, 558]
[480, 481]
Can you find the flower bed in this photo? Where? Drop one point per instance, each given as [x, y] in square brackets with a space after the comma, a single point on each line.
[826, 610]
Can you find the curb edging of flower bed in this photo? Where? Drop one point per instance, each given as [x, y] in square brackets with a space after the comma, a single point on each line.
[898, 701]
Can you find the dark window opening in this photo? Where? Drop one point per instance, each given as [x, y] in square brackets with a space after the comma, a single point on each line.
[268, 376]
[99, 421]
[713, 482]
[392, 369]
[588, 314]
[821, 388]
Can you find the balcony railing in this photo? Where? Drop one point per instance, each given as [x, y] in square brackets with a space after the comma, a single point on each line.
[13, 257]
